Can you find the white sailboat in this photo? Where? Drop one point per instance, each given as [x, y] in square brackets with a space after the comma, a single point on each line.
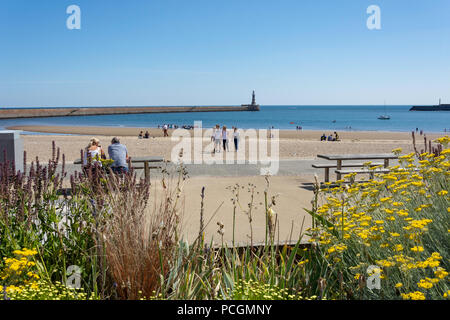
[384, 116]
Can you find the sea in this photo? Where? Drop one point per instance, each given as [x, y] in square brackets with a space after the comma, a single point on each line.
[327, 118]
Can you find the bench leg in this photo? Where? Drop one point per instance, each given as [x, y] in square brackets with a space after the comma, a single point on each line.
[339, 167]
[146, 172]
[327, 174]
[386, 163]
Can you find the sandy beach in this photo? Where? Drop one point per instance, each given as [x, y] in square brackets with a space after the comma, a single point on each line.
[292, 144]
[156, 132]
[290, 201]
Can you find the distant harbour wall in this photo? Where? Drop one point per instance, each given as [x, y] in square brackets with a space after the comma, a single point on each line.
[441, 107]
[96, 111]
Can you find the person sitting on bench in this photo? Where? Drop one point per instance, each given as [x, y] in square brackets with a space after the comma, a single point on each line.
[118, 152]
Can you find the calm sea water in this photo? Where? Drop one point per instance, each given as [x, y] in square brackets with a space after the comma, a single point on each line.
[327, 118]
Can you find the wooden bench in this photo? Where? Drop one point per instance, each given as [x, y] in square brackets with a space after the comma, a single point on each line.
[145, 160]
[143, 167]
[366, 157]
[78, 161]
[327, 167]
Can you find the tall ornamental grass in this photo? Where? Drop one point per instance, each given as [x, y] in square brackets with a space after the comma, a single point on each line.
[137, 237]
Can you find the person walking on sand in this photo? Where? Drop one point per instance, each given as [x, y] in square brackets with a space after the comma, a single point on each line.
[165, 130]
[236, 139]
[119, 153]
[217, 139]
[224, 138]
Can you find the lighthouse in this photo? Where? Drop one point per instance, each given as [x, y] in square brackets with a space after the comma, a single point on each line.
[253, 106]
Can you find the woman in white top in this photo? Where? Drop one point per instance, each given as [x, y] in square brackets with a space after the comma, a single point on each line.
[94, 152]
[217, 139]
[236, 139]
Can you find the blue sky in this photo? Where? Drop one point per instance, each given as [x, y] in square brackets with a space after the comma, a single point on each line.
[201, 52]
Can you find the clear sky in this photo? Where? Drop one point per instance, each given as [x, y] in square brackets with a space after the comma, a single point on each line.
[201, 52]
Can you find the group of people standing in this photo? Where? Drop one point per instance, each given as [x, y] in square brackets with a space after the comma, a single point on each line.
[220, 138]
[117, 152]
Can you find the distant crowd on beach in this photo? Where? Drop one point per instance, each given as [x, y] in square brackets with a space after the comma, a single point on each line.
[220, 136]
[175, 126]
[330, 137]
[218, 133]
[165, 128]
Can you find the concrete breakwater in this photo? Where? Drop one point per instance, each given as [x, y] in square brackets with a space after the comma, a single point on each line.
[440, 107]
[96, 111]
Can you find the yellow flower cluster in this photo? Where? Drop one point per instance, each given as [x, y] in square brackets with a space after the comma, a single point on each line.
[388, 218]
[417, 295]
[25, 252]
[43, 290]
[251, 290]
[23, 283]
[444, 141]
[19, 271]
[18, 267]
[446, 294]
